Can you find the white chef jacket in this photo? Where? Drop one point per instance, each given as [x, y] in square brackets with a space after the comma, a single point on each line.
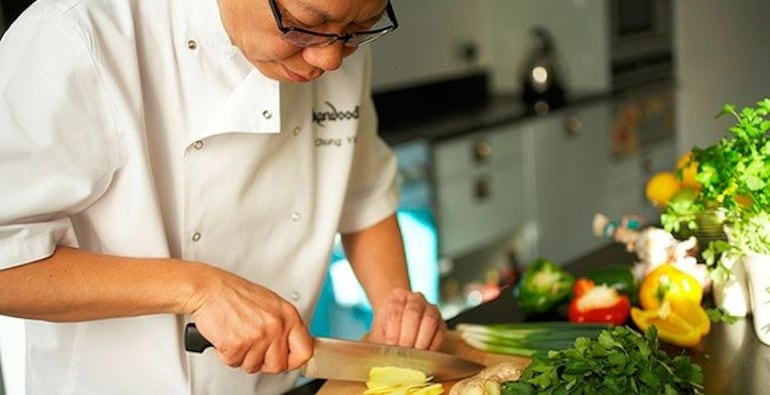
[135, 128]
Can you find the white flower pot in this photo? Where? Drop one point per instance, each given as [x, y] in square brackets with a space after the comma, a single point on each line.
[731, 293]
[757, 269]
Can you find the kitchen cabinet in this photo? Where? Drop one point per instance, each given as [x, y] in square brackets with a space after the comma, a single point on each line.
[570, 162]
[549, 173]
[480, 189]
[575, 176]
[654, 128]
[628, 179]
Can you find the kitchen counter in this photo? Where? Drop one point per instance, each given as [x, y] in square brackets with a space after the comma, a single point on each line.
[732, 358]
[449, 108]
[493, 111]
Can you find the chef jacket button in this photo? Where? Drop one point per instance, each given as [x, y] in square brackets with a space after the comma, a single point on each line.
[196, 236]
[192, 44]
[295, 296]
[198, 144]
[296, 216]
[267, 114]
[297, 130]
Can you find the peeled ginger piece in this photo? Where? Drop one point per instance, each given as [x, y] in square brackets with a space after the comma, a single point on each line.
[389, 380]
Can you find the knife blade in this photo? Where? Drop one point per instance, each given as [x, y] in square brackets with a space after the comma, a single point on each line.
[351, 361]
[338, 359]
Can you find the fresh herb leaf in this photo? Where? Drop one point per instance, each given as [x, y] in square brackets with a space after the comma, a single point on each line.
[619, 361]
[516, 388]
[719, 315]
[734, 174]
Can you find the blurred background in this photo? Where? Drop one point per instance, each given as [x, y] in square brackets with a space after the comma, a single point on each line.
[516, 121]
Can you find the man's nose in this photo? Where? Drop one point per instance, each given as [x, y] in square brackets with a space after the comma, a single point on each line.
[327, 58]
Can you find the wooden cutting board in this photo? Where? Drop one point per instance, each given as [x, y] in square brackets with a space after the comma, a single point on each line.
[453, 345]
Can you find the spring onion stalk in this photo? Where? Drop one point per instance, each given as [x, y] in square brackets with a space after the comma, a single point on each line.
[526, 338]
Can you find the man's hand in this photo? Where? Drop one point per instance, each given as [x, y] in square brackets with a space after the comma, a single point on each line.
[251, 327]
[405, 318]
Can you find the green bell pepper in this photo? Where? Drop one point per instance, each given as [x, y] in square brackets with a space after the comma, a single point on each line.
[619, 277]
[542, 286]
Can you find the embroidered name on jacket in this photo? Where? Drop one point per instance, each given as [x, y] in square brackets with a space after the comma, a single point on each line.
[320, 117]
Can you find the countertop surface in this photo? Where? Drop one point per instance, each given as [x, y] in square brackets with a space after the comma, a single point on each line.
[732, 358]
[493, 111]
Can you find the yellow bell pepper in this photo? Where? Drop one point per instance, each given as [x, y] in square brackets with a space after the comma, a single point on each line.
[681, 322]
[668, 282]
[671, 300]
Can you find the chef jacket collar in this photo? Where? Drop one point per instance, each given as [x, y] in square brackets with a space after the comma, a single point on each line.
[254, 105]
[207, 21]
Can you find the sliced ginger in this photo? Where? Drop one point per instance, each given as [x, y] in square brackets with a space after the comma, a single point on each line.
[390, 380]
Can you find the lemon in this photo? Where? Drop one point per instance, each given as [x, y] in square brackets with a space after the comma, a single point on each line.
[661, 187]
[689, 169]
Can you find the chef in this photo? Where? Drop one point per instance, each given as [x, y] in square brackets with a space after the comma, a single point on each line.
[169, 161]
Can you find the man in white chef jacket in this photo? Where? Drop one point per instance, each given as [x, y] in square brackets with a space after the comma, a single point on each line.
[168, 161]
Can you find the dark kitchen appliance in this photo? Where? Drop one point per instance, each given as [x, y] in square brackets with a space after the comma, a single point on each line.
[641, 41]
[542, 85]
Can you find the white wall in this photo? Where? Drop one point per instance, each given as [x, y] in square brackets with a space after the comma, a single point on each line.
[426, 46]
[580, 32]
[722, 50]
[427, 43]
[723, 56]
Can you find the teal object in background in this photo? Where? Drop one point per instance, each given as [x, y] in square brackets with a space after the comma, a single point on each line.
[343, 310]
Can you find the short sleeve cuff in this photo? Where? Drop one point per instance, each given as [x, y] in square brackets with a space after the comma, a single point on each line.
[20, 244]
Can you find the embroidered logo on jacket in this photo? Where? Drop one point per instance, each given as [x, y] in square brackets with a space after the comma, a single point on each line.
[334, 115]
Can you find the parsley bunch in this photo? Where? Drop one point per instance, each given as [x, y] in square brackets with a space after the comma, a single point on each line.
[734, 174]
[620, 361]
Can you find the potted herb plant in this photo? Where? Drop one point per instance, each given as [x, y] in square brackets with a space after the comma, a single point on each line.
[734, 178]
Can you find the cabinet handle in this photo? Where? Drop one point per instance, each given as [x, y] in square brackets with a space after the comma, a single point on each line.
[483, 188]
[574, 125]
[482, 151]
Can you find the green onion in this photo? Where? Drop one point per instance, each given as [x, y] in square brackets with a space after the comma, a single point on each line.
[526, 338]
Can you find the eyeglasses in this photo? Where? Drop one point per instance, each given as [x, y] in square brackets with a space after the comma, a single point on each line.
[307, 38]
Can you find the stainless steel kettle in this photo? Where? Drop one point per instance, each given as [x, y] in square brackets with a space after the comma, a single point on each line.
[542, 88]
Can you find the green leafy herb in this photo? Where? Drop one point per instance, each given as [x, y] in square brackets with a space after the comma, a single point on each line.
[516, 388]
[734, 174]
[719, 315]
[620, 361]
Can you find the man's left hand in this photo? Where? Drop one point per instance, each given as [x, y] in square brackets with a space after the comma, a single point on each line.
[405, 318]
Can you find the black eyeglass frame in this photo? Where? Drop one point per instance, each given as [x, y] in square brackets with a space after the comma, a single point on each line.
[331, 37]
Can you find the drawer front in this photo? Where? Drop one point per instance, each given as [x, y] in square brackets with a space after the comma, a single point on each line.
[480, 208]
[480, 149]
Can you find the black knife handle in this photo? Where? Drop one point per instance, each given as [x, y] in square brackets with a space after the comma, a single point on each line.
[193, 340]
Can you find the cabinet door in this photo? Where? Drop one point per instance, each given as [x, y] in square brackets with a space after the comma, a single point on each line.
[571, 164]
[479, 209]
[629, 175]
[480, 191]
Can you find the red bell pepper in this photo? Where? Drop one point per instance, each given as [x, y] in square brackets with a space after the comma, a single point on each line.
[598, 304]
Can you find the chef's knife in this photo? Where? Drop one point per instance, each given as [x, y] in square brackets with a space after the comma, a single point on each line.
[338, 359]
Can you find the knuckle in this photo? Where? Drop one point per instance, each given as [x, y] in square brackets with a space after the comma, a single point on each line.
[230, 358]
[273, 368]
[251, 369]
